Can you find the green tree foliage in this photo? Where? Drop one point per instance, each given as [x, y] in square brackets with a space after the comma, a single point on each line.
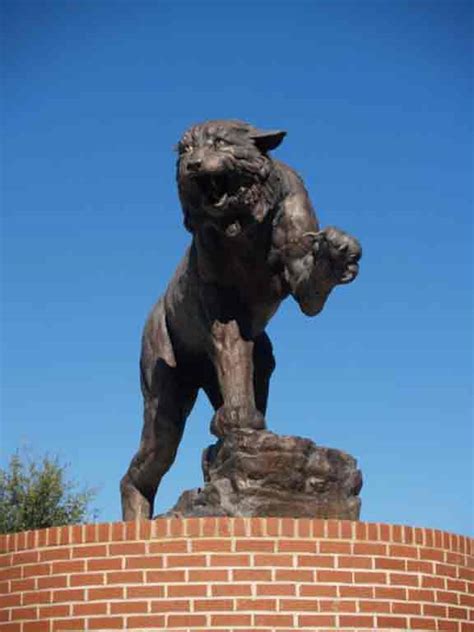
[36, 493]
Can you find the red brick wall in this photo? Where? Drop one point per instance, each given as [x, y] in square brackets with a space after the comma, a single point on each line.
[236, 574]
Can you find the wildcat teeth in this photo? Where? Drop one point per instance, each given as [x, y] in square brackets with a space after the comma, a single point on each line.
[222, 201]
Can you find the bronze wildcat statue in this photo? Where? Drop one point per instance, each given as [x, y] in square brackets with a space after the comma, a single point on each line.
[256, 240]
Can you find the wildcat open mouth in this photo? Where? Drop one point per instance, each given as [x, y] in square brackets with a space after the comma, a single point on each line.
[221, 189]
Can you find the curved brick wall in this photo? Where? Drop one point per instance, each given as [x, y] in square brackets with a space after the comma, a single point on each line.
[235, 574]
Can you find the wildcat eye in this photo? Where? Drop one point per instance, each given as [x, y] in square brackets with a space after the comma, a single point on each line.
[221, 142]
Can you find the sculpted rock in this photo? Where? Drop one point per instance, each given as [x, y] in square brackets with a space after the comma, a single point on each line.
[258, 473]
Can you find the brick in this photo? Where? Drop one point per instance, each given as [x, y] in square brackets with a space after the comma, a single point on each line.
[186, 620]
[419, 566]
[431, 554]
[64, 625]
[211, 605]
[166, 576]
[275, 589]
[273, 619]
[374, 606]
[36, 597]
[341, 577]
[189, 590]
[387, 563]
[151, 592]
[458, 613]
[397, 623]
[421, 595]
[356, 592]
[403, 579]
[253, 575]
[160, 528]
[344, 548]
[11, 573]
[169, 546]
[316, 561]
[445, 596]
[48, 555]
[228, 620]
[128, 607]
[260, 545]
[345, 561]
[10, 601]
[418, 623]
[209, 527]
[21, 585]
[446, 570]
[171, 605]
[125, 577]
[224, 527]
[369, 548]
[69, 595]
[297, 546]
[69, 566]
[35, 570]
[185, 561]
[317, 620]
[23, 613]
[433, 582]
[98, 550]
[448, 626]
[315, 590]
[127, 548]
[103, 531]
[299, 605]
[406, 608]
[106, 623]
[293, 575]
[332, 527]
[337, 605]
[104, 564]
[87, 579]
[150, 621]
[131, 530]
[193, 527]
[354, 621]
[35, 626]
[346, 529]
[28, 557]
[399, 550]
[230, 560]
[256, 604]
[90, 533]
[146, 561]
[288, 527]
[231, 590]
[209, 575]
[105, 594]
[58, 581]
[434, 610]
[88, 609]
[304, 528]
[210, 546]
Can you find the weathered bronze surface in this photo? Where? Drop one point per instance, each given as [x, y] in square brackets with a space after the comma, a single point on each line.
[255, 241]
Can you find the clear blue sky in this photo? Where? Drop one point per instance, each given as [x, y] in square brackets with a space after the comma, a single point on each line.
[376, 98]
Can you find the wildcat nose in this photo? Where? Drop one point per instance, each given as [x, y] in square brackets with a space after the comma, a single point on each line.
[194, 165]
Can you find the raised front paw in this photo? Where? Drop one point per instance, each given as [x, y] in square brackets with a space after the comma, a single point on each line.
[340, 252]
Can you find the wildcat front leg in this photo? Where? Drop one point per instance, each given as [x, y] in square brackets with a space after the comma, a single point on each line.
[233, 362]
[317, 263]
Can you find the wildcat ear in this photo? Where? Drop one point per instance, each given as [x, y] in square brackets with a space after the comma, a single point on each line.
[267, 139]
